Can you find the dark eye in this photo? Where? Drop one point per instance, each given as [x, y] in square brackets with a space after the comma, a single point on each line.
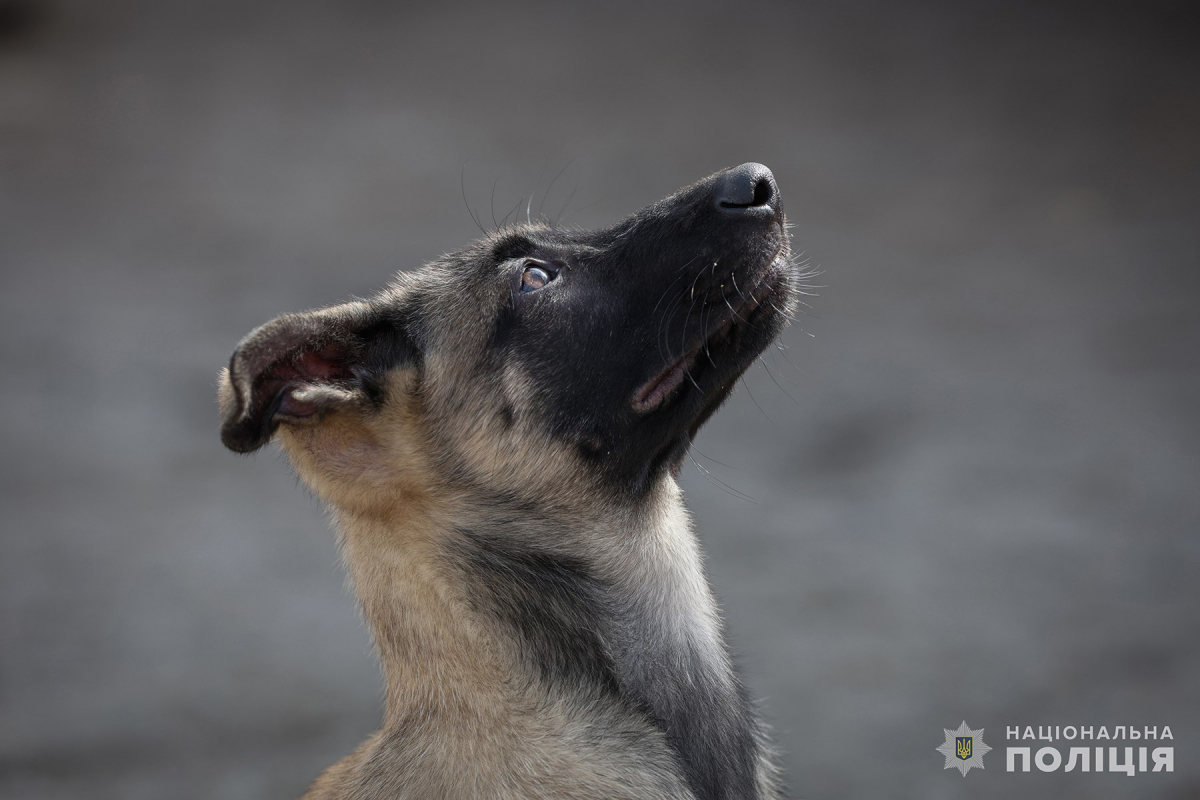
[535, 277]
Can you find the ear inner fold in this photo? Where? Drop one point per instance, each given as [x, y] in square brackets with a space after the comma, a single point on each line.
[298, 366]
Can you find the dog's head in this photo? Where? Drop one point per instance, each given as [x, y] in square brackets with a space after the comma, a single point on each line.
[530, 364]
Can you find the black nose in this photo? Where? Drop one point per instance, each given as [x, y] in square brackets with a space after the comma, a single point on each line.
[748, 187]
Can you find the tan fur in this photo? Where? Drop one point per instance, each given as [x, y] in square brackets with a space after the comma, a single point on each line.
[465, 716]
[461, 721]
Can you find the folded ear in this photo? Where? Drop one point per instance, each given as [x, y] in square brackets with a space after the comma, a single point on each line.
[299, 366]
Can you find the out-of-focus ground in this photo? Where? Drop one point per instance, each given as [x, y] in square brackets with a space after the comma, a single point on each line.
[976, 484]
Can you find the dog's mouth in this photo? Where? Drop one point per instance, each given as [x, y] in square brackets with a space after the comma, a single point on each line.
[718, 345]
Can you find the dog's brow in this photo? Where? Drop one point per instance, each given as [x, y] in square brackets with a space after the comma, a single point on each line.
[512, 246]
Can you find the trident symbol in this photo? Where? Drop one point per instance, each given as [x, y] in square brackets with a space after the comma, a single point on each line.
[963, 744]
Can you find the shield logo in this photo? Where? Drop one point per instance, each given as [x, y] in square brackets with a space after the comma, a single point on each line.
[962, 747]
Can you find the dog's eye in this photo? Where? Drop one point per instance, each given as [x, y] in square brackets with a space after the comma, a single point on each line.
[534, 278]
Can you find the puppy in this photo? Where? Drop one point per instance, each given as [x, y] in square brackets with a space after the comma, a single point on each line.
[498, 437]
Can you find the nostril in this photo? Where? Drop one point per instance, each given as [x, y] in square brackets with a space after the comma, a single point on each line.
[763, 192]
[746, 187]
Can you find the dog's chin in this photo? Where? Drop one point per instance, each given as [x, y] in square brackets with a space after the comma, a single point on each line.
[685, 392]
[722, 351]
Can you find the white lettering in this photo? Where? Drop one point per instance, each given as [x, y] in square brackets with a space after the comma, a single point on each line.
[1163, 757]
[1084, 757]
[1114, 766]
[1055, 759]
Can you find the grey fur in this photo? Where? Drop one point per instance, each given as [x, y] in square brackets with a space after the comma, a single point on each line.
[503, 481]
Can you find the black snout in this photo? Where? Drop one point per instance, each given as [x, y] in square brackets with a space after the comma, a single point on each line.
[750, 187]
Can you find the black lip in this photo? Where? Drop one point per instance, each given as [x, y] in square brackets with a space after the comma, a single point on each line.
[716, 349]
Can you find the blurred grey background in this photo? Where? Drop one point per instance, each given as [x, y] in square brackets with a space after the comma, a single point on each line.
[974, 470]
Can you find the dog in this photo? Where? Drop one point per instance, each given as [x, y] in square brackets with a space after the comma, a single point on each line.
[498, 437]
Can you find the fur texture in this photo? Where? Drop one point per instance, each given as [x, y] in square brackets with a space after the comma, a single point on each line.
[498, 436]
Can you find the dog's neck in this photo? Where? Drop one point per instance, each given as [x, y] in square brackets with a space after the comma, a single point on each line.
[462, 613]
[426, 613]
[431, 648]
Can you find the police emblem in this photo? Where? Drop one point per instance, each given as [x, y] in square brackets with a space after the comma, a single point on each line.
[963, 748]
